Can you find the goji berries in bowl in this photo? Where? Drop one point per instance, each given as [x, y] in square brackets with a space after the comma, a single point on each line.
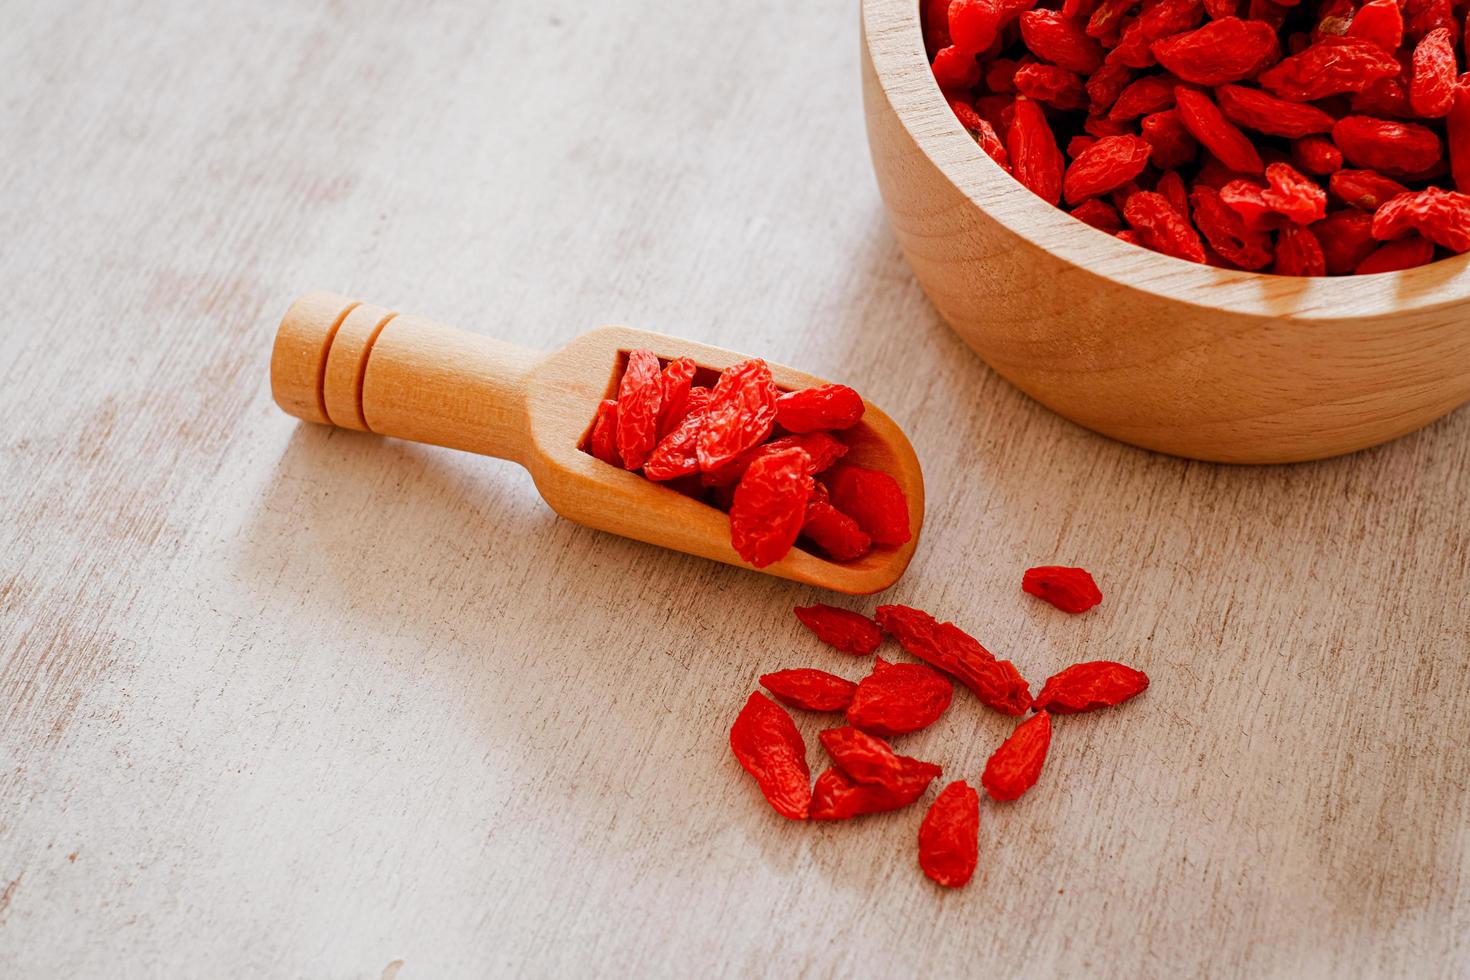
[1178, 356]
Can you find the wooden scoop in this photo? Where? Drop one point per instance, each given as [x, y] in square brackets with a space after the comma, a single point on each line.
[340, 362]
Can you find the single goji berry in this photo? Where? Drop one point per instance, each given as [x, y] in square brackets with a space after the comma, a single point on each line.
[823, 407]
[1316, 155]
[1100, 215]
[770, 506]
[834, 532]
[973, 24]
[602, 440]
[869, 760]
[809, 689]
[1086, 686]
[1364, 189]
[740, 414]
[1054, 38]
[1171, 186]
[836, 797]
[1105, 165]
[996, 683]
[1052, 85]
[1440, 216]
[955, 70]
[1265, 113]
[768, 746]
[1432, 86]
[1163, 229]
[843, 629]
[1069, 589]
[1225, 50]
[1226, 232]
[1014, 767]
[1457, 135]
[1331, 66]
[898, 698]
[949, 837]
[640, 396]
[675, 455]
[1150, 94]
[1298, 253]
[1217, 134]
[1394, 148]
[1290, 193]
[821, 447]
[1406, 253]
[1248, 199]
[1106, 85]
[873, 499]
[677, 380]
[1172, 144]
[1346, 238]
[1156, 19]
[1032, 147]
[1379, 21]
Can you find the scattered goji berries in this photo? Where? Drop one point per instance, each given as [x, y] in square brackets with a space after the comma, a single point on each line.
[1124, 99]
[949, 837]
[809, 689]
[1083, 687]
[1014, 767]
[898, 698]
[1071, 590]
[848, 631]
[748, 448]
[768, 746]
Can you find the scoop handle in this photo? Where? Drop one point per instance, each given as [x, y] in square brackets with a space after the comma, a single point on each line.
[337, 361]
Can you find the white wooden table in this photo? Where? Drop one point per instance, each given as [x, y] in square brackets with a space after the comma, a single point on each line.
[283, 701]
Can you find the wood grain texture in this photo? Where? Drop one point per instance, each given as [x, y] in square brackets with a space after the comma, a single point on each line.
[1159, 352]
[283, 700]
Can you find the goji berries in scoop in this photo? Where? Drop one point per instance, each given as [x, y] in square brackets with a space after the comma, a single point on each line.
[949, 837]
[823, 407]
[770, 506]
[1071, 590]
[843, 629]
[898, 698]
[1086, 686]
[1014, 767]
[768, 746]
[873, 499]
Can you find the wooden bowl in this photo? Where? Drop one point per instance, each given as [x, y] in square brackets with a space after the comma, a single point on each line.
[1154, 351]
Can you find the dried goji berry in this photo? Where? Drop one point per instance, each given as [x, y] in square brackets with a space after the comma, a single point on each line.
[809, 689]
[768, 746]
[1156, 19]
[1051, 84]
[602, 441]
[869, 760]
[1105, 165]
[1298, 253]
[1457, 135]
[1225, 50]
[1217, 134]
[1346, 238]
[949, 837]
[1440, 216]
[848, 631]
[1294, 195]
[1150, 94]
[821, 447]
[1406, 253]
[834, 532]
[1014, 767]
[1100, 214]
[1069, 589]
[1166, 133]
[996, 683]
[1000, 75]
[1381, 22]
[973, 24]
[1364, 189]
[1163, 228]
[675, 454]
[1171, 186]
[740, 414]
[1265, 113]
[677, 380]
[837, 797]
[1226, 232]
[1106, 86]
[770, 506]
[1084, 687]
[1432, 86]
[898, 698]
[1054, 38]
[873, 499]
[1394, 148]
[823, 407]
[1331, 66]
[640, 396]
[955, 70]
[1248, 199]
[1316, 155]
[1032, 146]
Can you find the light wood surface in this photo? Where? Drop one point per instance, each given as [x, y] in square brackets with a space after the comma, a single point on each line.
[1162, 353]
[377, 371]
[285, 700]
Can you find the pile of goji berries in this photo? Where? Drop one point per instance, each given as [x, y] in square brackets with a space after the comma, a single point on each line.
[769, 458]
[1302, 138]
[867, 775]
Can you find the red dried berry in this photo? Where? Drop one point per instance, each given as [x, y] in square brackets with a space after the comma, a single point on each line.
[640, 396]
[873, 499]
[1294, 195]
[1316, 155]
[847, 631]
[973, 24]
[1085, 687]
[1106, 86]
[1364, 189]
[1051, 84]
[996, 683]
[1406, 253]
[1265, 113]
[1171, 186]
[1035, 159]
[1346, 238]
[822, 448]
[1156, 19]
[1071, 590]
[809, 689]
[898, 698]
[740, 413]
[834, 532]
[1381, 22]
[994, 147]
[1150, 94]
[823, 407]
[1105, 165]
[836, 797]
[1054, 38]
[1298, 253]
[1205, 123]
[1172, 144]
[870, 761]
[1440, 216]
[1000, 75]
[1225, 50]
[675, 455]
[1014, 767]
[949, 837]
[1100, 215]
[1457, 136]
[768, 746]
[677, 380]
[770, 506]
[1248, 199]
[1163, 228]
[602, 441]
[1331, 66]
[1394, 148]
[1226, 232]
[955, 70]
[1432, 86]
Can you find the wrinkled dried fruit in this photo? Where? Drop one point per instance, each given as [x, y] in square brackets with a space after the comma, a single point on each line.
[1051, 84]
[1099, 214]
[1071, 590]
[834, 532]
[1105, 165]
[675, 454]
[1432, 85]
[1316, 155]
[1395, 148]
[873, 499]
[898, 698]
[1087, 686]
[1163, 228]
[1172, 144]
[1364, 189]
[1035, 158]
[822, 449]
[768, 746]
[1381, 22]
[1298, 253]
[1224, 50]
[677, 380]
[770, 506]
[1150, 94]
[602, 441]
[836, 797]
[869, 760]
[1054, 38]
[1014, 767]
[1217, 134]
[1290, 193]
[640, 396]
[1330, 67]
[996, 683]
[1440, 216]
[949, 837]
[848, 631]
[740, 413]
[809, 689]
[1346, 238]
[1265, 113]
[1406, 253]
[822, 407]
[1226, 232]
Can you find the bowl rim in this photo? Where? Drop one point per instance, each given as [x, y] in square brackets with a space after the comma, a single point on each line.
[893, 40]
